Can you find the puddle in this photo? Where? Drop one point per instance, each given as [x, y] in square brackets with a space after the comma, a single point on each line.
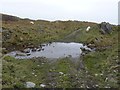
[54, 50]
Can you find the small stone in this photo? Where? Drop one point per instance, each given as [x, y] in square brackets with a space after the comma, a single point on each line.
[38, 65]
[107, 87]
[27, 50]
[106, 79]
[33, 70]
[33, 73]
[61, 73]
[87, 86]
[114, 71]
[21, 38]
[18, 53]
[65, 74]
[42, 85]
[96, 74]
[50, 70]
[30, 84]
[81, 86]
[96, 85]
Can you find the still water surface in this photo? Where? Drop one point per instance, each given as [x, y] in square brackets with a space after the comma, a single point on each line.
[53, 50]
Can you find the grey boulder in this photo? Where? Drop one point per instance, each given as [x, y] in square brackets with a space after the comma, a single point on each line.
[105, 27]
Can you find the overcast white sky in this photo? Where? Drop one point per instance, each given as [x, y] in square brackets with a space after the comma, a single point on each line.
[82, 10]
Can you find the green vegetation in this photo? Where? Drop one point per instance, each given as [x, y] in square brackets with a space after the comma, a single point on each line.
[21, 34]
[100, 67]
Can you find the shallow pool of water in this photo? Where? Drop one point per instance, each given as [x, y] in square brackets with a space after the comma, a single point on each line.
[53, 50]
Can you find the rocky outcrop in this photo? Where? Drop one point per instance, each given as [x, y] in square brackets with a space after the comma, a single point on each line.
[105, 27]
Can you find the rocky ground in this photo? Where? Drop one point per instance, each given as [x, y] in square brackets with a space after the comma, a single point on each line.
[100, 68]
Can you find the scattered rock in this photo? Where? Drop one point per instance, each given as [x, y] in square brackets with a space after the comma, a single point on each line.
[101, 74]
[96, 85]
[42, 85]
[20, 54]
[33, 73]
[61, 73]
[30, 84]
[38, 65]
[106, 79]
[27, 50]
[39, 49]
[96, 74]
[3, 48]
[34, 49]
[92, 46]
[21, 39]
[85, 50]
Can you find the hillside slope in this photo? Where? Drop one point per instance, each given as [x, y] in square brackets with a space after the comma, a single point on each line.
[20, 33]
[100, 67]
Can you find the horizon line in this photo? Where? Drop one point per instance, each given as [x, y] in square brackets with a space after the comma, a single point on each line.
[55, 19]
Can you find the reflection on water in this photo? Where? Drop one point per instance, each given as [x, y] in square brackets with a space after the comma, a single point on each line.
[53, 50]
